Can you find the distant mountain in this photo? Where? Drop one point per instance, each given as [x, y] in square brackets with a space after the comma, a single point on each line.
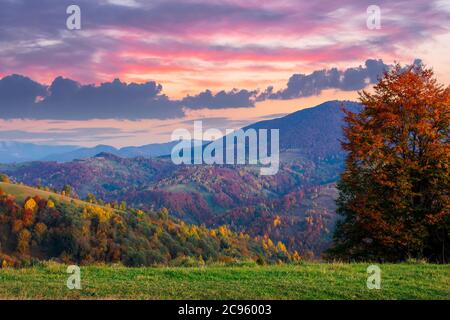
[148, 151]
[21, 152]
[311, 133]
[314, 132]
[11, 152]
[79, 153]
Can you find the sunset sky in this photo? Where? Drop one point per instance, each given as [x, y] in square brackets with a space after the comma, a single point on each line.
[229, 62]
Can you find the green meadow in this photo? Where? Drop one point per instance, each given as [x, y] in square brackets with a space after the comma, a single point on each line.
[302, 281]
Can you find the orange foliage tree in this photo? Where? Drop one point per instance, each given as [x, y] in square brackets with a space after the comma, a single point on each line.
[394, 192]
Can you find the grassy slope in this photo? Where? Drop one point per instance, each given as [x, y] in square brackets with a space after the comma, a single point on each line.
[308, 281]
[21, 192]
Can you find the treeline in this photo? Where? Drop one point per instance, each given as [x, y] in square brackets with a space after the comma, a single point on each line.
[43, 229]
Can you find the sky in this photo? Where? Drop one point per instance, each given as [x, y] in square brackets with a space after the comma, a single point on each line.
[137, 70]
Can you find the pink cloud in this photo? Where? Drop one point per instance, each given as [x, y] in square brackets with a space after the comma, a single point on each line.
[201, 37]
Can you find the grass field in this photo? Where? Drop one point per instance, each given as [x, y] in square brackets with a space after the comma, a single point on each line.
[306, 281]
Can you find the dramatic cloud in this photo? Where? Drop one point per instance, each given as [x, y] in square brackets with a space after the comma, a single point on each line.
[109, 100]
[177, 41]
[66, 99]
[232, 99]
[301, 85]
[18, 92]
[180, 59]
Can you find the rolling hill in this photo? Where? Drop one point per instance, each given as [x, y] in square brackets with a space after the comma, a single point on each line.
[37, 225]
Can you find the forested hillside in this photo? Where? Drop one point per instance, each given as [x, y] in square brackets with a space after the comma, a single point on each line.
[68, 231]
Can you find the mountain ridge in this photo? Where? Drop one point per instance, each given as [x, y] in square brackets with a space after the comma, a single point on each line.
[16, 152]
[313, 146]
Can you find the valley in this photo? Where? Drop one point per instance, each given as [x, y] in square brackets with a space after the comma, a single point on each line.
[295, 206]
